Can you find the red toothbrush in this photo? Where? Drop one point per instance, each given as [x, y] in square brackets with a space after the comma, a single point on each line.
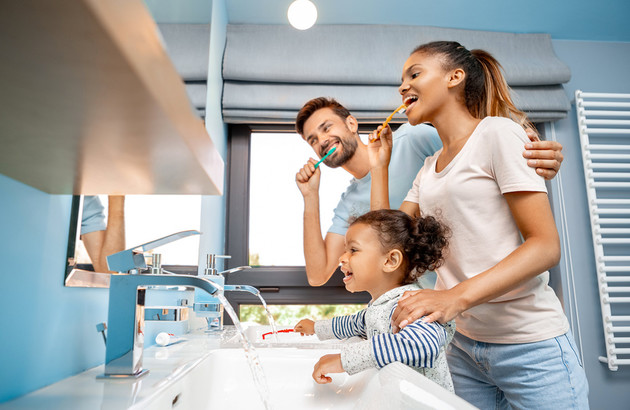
[279, 331]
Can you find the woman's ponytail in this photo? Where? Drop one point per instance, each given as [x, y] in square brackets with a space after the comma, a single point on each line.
[497, 101]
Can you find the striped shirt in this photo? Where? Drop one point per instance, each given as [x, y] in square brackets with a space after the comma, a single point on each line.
[419, 345]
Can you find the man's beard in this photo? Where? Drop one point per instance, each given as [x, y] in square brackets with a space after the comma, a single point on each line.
[349, 146]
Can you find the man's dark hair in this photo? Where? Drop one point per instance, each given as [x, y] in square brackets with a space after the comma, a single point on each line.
[317, 104]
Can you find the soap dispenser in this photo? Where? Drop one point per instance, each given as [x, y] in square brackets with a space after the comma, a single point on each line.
[208, 306]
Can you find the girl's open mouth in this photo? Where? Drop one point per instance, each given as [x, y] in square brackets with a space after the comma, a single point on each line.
[347, 276]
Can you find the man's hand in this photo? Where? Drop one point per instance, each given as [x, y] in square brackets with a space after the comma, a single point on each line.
[305, 327]
[330, 363]
[545, 156]
[307, 178]
[433, 305]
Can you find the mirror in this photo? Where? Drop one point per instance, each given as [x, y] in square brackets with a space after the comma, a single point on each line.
[103, 225]
[96, 230]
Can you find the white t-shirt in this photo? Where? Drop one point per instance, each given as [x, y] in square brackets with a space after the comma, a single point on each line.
[467, 196]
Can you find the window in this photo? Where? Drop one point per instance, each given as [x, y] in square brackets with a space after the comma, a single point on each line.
[280, 273]
[289, 315]
[275, 202]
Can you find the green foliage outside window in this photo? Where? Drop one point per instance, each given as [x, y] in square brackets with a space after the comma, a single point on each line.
[289, 315]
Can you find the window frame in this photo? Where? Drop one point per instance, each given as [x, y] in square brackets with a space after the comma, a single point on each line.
[278, 284]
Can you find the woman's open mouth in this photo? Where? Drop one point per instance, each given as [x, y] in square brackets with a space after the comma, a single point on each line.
[410, 101]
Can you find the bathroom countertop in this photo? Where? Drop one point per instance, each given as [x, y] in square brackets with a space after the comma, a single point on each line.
[211, 370]
[165, 364]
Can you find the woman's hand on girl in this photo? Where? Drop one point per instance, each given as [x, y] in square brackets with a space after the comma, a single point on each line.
[305, 327]
[430, 305]
[330, 363]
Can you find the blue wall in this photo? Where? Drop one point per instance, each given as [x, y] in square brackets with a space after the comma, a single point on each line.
[563, 19]
[595, 67]
[48, 330]
[180, 11]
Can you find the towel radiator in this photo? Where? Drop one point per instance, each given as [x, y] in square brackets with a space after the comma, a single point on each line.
[604, 127]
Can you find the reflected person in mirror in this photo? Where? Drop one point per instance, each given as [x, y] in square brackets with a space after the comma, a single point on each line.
[385, 251]
[324, 123]
[102, 238]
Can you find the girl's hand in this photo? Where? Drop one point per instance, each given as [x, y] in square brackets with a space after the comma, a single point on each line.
[330, 363]
[307, 178]
[380, 148]
[305, 327]
[434, 305]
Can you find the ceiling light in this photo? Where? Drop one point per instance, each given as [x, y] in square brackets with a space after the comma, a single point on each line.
[302, 14]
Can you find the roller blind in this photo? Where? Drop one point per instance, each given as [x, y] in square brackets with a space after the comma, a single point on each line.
[270, 71]
[188, 46]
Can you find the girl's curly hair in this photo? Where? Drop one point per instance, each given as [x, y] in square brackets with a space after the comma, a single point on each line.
[421, 240]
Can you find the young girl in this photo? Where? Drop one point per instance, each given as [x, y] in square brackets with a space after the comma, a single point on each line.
[386, 251]
[513, 348]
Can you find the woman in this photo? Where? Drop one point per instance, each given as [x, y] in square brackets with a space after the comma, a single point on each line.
[513, 348]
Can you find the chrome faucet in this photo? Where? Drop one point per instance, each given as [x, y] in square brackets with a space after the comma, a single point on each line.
[242, 288]
[233, 270]
[125, 323]
[125, 338]
[132, 260]
[211, 308]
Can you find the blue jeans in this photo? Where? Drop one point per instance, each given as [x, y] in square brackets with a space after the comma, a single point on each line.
[539, 375]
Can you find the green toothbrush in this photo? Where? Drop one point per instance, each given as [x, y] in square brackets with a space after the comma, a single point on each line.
[325, 156]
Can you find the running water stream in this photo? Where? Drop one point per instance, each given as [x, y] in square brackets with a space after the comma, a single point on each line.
[253, 360]
[256, 292]
[270, 318]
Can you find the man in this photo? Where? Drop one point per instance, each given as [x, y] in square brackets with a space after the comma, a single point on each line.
[324, 123]
[102, 238]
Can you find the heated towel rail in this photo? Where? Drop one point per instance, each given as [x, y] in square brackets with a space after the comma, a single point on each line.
[604, 127]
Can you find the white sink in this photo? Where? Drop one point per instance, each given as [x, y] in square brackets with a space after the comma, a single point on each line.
[224, 381]
[288, 366]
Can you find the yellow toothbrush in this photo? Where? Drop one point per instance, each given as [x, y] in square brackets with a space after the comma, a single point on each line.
[399, 109]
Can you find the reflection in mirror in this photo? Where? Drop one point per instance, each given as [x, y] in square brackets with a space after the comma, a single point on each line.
[102, 230]
[103, 225]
